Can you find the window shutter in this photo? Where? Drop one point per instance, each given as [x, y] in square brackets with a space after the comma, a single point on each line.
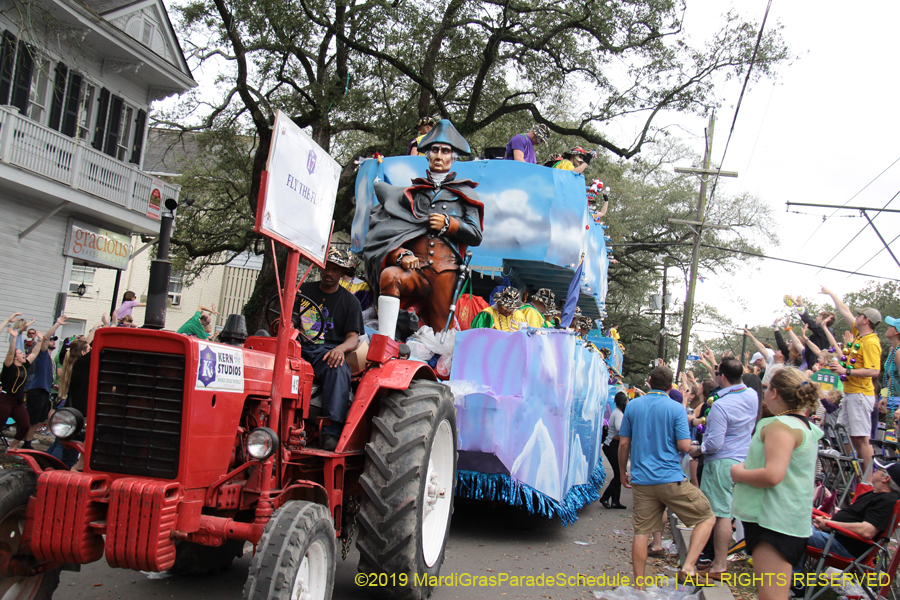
[112, 129]
[7, 65]
[59, 89]
[102, 112]
[73, 98]
[22, 81]
[140, 123]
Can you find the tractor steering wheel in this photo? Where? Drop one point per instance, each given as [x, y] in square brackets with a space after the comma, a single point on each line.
[307, 318]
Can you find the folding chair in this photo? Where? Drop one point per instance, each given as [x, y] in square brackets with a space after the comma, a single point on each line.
[840, 471]
[876, 559]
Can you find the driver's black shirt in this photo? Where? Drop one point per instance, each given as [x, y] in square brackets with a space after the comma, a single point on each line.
[341, 312]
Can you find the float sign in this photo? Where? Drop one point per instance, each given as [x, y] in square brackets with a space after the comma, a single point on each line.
[220, 368]
[98, 247]
[297, 205]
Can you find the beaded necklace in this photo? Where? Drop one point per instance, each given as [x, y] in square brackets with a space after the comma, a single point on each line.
[712, 399]
[500, 318]
[16, 386]
[889, 368]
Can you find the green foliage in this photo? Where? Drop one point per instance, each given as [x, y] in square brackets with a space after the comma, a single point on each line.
[645, 195]
[359, 74]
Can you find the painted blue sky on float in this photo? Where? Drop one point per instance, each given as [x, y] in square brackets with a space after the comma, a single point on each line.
[531, 213]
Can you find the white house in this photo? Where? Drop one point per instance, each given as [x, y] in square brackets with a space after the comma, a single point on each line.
[76, 83]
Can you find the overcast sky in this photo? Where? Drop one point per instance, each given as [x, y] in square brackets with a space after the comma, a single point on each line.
[821, 133]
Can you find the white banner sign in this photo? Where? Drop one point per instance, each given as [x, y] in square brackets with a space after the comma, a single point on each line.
[97, 246]
[300, 191]
[220, 368]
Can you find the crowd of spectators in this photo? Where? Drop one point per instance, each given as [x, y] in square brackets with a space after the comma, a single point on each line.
[738, 459]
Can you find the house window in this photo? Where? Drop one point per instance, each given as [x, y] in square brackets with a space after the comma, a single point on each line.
[81, 274]
[125, 128]
[147, 34]
[176, 284]
[86, 110]
[37, 97]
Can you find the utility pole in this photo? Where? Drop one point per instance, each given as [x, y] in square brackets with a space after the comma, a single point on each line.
[661, 349]
[697, 225]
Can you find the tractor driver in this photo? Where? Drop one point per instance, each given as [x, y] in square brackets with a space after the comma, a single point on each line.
[342, 323]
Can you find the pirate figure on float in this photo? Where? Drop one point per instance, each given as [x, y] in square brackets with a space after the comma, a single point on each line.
[418, 235]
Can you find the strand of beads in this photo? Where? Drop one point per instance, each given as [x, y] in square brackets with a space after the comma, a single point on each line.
[848, 358]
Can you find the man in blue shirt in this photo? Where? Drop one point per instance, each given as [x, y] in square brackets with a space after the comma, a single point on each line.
[37, 396]
[729, 427]
[660, 431]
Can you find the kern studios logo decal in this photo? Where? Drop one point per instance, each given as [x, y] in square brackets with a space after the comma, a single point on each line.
[219, 368]
[206, 372]
[311, 162]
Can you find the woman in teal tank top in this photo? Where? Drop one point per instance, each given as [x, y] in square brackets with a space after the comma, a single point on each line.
[773, 491]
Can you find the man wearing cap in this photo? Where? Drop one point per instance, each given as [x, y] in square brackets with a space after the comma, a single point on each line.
[504, 315]
[856, 369]
[419, 234]
[341, 325]
[424, 126]
[869, 515]
[774, 358]
[535, 310]
[521, 146]
[575, 160]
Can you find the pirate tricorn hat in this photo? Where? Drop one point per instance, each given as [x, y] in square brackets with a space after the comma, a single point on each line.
[445, 133]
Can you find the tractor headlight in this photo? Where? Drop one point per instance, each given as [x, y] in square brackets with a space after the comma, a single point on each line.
[261, 443]
[66, 422]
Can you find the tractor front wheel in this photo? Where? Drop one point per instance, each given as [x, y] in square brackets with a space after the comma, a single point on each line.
[16, 487]
[295, 557]
[407, 491]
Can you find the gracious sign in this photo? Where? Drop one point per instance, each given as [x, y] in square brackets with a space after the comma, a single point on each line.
[97, 246]
[298, 204]
[220, 368]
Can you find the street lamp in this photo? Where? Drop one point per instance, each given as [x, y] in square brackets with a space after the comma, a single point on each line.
[160, 271]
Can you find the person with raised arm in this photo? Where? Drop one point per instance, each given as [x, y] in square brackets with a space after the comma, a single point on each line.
[860, 361]
[12, 384]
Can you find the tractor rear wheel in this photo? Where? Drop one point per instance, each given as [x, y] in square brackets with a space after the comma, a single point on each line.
[16, 487]
[295, 557]
[407, 491]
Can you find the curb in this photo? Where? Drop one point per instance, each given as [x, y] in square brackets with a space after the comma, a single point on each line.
[682, 539]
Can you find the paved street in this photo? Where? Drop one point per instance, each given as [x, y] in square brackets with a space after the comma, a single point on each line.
[483, 541]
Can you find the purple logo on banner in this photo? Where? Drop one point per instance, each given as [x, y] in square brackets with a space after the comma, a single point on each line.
[207, 369]
[311, 162]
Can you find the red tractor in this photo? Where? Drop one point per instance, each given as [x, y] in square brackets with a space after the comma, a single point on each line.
[179, 473]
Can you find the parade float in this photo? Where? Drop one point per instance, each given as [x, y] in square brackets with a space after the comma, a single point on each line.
[531, 403]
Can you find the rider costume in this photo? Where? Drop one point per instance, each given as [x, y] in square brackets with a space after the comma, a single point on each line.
[399, 227]
[492, 318]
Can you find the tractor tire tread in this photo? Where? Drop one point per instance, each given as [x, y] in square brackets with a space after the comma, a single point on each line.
[391, 507]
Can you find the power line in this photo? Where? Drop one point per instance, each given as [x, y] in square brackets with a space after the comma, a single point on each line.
[795, 262]
[847, 202]
[877, 253]
[737, 108]
[858, 233]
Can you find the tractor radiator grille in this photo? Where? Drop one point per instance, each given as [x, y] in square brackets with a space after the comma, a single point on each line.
[137, 425]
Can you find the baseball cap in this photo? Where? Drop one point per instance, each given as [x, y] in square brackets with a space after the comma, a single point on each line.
[759, 355]
[895, 323]
[871, 314]
[891, 469]
[676, 395]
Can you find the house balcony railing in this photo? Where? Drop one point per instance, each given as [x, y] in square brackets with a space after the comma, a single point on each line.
[71, 162]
